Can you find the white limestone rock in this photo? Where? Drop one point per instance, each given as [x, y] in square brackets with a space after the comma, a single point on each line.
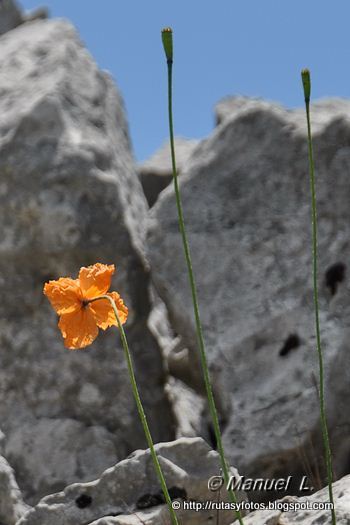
[189, 407]
[12, 506]
[246, 203]
[130, 491]
[311, 516]
[69, 197]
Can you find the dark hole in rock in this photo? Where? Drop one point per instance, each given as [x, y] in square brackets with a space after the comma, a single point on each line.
[177, 493]
[83, 501]
[212, 437]
[292, 342]
[335, 275]
[149, 500]
[102, 161]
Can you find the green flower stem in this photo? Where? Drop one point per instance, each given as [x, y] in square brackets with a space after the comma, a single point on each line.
[168, 48]
[140, 407]
[305, 75]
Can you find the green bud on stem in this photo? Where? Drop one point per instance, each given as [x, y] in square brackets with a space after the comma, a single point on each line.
[305, 77]
[167, 39]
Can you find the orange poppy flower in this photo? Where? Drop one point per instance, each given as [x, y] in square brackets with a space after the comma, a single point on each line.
[80, 319]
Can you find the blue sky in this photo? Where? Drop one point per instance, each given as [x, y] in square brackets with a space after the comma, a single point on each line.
[227, 47]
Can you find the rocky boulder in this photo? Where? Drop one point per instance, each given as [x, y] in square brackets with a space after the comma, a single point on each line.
[129, 493]
[246, 202]
[70, 196]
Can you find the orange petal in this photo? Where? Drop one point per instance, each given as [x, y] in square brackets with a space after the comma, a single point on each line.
[78, 328]
[95, 280]
[64, 295]
[104, 313]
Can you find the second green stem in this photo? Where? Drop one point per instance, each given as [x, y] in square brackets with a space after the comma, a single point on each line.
[328, 455]
[203, 357]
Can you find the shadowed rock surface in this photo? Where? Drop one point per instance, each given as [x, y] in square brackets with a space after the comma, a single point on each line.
[247, 207]
[156, 173]
[10, 15]
[69, 197]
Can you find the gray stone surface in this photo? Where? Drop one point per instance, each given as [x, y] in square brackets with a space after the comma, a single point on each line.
[189, 407]
[337, 391]
[247, 206]
[157, 515]
[156, 173]
[69, 197]
[10, 15]
[12, 506]
[129, 493]
[324, 110]
[67, 449]
[40, 13]
[227, 107]
[312, 516]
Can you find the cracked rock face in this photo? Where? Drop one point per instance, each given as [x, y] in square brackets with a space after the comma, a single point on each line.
[129, 493]
[247, 207]
[69, 197]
